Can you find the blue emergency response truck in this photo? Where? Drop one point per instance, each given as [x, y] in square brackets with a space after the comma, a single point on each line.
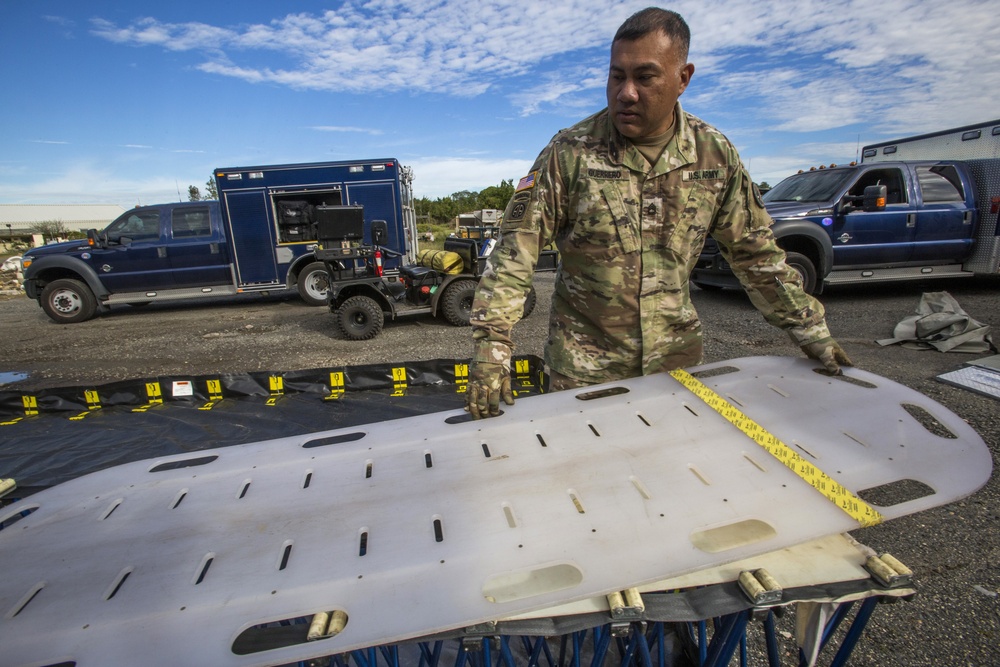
[260, 236]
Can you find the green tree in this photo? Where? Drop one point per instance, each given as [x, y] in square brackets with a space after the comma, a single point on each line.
[444, 209]
[496, 196]
[211, 190]
[465, 201]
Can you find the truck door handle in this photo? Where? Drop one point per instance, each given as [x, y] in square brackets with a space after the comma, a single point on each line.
[161, 252]
[911, 220]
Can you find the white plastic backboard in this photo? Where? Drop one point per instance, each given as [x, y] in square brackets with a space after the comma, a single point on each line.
[419, 525]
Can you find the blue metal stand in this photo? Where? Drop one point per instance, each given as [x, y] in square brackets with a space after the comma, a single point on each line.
[639, 644]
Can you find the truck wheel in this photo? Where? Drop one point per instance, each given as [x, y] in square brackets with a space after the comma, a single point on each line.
[529, 305]
[68, 301]
[456, 302]
[360, 318]
[805, 267]
[314, 284]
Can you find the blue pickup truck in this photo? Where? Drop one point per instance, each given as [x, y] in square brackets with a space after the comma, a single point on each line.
[915, 208]
[260, 236]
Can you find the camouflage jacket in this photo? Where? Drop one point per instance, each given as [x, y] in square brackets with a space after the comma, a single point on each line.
[628, 235]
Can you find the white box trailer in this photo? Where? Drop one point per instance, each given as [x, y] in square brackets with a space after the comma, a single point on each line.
[979, 147]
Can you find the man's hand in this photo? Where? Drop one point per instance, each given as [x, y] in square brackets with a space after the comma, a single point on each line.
[829, 353]
[488, 383]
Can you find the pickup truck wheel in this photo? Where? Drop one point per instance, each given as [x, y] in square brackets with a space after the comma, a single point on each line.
[360, 318]
[456, 302]
[314, 284]
[806, 269]
[68, 301]
[529, 305]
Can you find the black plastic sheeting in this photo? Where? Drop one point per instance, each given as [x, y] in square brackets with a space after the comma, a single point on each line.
[57, 445]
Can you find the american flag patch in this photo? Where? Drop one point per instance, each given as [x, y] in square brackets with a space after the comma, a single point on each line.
[527, 182]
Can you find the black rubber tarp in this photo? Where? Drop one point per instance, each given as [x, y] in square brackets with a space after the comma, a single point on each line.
[63, 434]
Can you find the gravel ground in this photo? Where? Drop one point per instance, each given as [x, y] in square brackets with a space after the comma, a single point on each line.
[954, 550]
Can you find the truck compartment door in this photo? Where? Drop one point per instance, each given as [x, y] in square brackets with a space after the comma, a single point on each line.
[251, 238]
[944, 229]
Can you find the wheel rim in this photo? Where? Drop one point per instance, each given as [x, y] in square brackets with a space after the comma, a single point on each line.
[358, 320]
[318, 285]
[66, 302]
[803, 276]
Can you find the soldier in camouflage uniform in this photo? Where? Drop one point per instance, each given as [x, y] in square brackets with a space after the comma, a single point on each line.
[629, 196]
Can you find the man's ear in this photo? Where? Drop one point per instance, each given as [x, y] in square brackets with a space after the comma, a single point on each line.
[686, 73]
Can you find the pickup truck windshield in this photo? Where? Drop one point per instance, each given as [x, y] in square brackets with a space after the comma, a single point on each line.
[811, 186]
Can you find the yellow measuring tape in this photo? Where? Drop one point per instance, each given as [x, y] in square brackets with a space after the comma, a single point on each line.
[858, 509]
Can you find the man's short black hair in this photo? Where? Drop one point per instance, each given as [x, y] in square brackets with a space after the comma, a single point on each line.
[652, 19]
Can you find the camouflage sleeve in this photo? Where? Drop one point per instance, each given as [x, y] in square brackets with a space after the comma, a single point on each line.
[742, 229]
[529, 223]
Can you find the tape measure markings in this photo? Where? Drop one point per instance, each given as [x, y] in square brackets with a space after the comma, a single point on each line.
[858, 509]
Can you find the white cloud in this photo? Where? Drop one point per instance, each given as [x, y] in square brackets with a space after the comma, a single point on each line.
[804, 66]
[425, 45]
[85, 183]
[436, 177]
[770, 74]
[811, 66]
[774, 168]
[337, 128]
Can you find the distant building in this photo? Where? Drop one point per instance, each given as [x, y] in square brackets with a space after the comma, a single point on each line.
[17, 220]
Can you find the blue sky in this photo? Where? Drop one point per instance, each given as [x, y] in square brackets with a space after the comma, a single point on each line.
[131, 102]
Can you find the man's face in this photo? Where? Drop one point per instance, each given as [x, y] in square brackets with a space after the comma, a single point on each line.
[644, 81]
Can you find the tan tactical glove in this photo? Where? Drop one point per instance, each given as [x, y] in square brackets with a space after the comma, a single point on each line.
[489, 380]
[829, 353]
[488, 383]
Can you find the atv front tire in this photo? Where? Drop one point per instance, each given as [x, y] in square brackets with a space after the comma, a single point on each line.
[360, 318]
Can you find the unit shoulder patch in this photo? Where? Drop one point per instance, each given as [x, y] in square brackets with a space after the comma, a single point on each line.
[517, 211]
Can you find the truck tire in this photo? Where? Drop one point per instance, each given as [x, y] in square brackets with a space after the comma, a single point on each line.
[68, 301]
[360, 318]
[314, 284]
[805, 268]
[456, 302]
[529, 305]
